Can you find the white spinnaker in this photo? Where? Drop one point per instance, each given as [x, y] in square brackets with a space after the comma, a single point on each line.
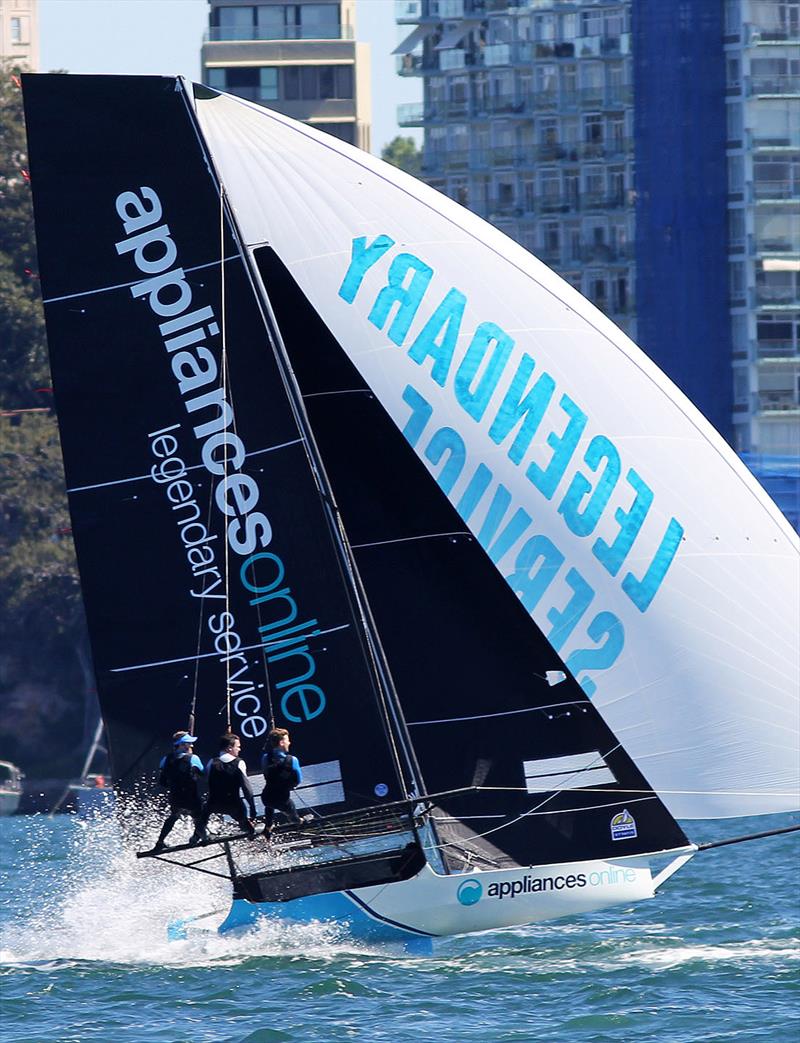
[703, 690]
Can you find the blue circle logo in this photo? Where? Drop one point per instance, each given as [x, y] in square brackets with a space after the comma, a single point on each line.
[469, 892]
[381, 789]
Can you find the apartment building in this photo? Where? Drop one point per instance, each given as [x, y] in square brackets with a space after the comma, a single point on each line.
[299, 58]
[19, 32]
[650, 153]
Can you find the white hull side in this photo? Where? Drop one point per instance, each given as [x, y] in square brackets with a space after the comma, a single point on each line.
[434, 905]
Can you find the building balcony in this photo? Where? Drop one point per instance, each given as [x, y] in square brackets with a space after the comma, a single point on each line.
[777, 350]
[773, 86]
[411, 114]
[408, 12]
[776, 191]
[784, 401]
[255, 33]
[780, 245]
[777, 297]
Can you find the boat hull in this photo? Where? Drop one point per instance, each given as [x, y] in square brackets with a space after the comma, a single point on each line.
[9, 801]
[430, 905]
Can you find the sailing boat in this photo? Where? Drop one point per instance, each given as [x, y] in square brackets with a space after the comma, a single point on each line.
[343, 458]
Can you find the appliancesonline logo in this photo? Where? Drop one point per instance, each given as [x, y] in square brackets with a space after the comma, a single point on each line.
[469, 892]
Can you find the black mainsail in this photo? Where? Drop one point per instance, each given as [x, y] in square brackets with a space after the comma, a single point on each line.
[236, 489]
[199, 573]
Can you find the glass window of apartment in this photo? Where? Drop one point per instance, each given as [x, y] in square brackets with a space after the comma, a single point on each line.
[217, 79]
[544, 28]
[592, 78]
[271, 22]
[593, 129]
[613, 23]
[598, 289]
[529, 195]
[735, 175]
[569, 26]
[569, 84]
[594, 184]
[546, 79]
[733, 75]
[616, 186]
[551, 238]
[319, 21]
[572, 238]
[778, 233]
[572, 187]
[616, 133]
[239, 78]
[778, 124]
[736, 229]
[736, 275]
[500, 30]
[309, 81]
[343, 77]
[734, 116]
[591, 23]
[268, 85]
[548, 130]
[778, 335]
[235, 23]
[16, 30]
[550, 186]
[505, 193]
[620, 296]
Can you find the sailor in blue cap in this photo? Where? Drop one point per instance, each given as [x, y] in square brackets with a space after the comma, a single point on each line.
[180, 774]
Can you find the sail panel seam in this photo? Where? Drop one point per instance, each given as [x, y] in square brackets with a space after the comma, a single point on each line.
[206, 655]
[127, 285]
[409, 539]
[192, 467]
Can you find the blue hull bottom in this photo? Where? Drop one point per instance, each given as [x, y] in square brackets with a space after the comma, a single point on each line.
[337, 907]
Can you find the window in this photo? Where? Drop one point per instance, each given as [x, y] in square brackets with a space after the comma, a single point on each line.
[591, 23]
[594, 182]
[269, 84]
[551, 238]
[235, 23]
[311, 82]
[319, 21]
[550, 186]
[16, 30]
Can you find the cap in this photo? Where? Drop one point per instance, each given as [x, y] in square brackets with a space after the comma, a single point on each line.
[186, 740]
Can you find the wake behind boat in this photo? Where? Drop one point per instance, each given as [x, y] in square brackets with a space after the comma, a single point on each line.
[342, 457]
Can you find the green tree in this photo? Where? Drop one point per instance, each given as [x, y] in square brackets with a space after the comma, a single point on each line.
[22, 337]
[43, 655]
[403, 152]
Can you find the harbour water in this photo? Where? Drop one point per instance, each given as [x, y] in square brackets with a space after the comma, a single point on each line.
[84, 958]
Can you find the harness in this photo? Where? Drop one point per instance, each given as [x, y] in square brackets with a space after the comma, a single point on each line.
[224, 781]
[279, 777]
[179, 777]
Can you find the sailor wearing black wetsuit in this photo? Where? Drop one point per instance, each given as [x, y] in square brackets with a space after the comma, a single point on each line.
[282, 774]
[228, 784]
[180, 774]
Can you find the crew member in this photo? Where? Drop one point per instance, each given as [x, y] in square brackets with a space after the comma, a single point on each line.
[281, 775]
[229, 787]
[180, 773]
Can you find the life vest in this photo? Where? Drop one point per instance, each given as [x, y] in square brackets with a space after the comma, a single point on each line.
[279, 776]
[224, 782]
[179, 776]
